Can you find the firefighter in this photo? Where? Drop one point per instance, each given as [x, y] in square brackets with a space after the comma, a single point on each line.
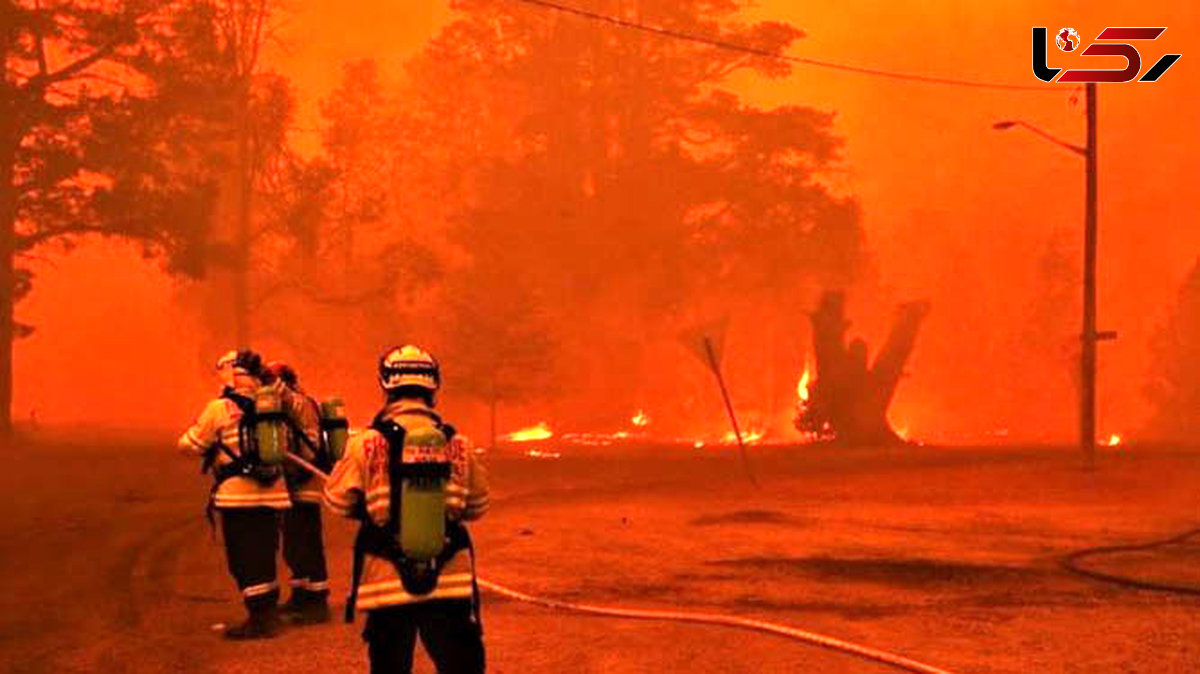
[303, 547]
[414, 574]
[247, 493]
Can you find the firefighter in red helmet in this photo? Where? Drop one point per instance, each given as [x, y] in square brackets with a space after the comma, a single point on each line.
[303, 545]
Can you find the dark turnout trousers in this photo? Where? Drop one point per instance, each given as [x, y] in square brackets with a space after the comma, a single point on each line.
[448, 630]
[251, 544]
[304, 549]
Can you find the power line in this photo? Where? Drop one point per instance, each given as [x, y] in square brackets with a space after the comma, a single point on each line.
[730, 46]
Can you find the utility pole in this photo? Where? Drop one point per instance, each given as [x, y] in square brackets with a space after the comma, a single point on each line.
[1087, 360]
[1089, 337]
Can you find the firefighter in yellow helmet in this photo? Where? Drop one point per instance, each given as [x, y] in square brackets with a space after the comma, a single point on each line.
[413, 482]
[303, 547]
[248, 493]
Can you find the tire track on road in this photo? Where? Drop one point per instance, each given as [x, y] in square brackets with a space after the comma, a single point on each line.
[122, 574]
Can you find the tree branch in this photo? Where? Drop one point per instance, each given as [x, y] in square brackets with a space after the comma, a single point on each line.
[69, 71]
[28, 242]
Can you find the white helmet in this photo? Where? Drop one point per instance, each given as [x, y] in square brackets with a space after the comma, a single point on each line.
[409, 366]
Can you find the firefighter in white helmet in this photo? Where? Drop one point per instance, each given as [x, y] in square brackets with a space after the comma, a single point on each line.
[303, 547]
[413, 482]
[248, 493]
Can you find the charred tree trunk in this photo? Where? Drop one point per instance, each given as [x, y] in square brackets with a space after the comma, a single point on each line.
[9, 141]
[8, 281]
[242, 237]
[850, 396]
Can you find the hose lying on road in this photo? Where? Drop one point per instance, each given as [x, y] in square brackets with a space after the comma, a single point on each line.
[1072, 563]
[897, 661]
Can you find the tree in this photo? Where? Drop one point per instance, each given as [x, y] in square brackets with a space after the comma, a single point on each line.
[850, 398]
[498, 336]
[1174, 383]
[332, 241]
[1043, 355]
[612, 169]
[87, 146]
[246, 116]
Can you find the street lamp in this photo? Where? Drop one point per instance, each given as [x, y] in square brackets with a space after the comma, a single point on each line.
[1089, 336]
[1009, 124]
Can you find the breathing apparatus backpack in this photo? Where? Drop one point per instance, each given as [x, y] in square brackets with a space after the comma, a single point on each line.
[418, 538]
[262, 439]
[331, 436]
[335, 430]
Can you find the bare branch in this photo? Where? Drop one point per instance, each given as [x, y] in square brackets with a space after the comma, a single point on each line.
[41, 81]
[43, 69]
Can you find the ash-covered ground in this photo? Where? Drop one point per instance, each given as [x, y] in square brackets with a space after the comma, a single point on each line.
[948, 556]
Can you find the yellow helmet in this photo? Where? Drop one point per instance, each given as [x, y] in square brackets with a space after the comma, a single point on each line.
[409, 366]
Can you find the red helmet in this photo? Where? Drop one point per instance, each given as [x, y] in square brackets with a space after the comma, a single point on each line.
[244, 361]
[279, 370]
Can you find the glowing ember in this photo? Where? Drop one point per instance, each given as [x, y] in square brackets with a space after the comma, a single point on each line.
[903, 433]
[595, 439]
[539, 432]
[539, 454]
[748, 437]
[641, 419]
[699, 444]
[1113, 440]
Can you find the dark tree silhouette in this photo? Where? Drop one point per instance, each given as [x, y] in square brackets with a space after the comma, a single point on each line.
[1174, 382]
[613, 169]
[88, 145]
[850, 396]
[333, 241]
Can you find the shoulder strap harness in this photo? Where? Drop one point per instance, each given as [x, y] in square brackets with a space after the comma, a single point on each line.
[381, 541]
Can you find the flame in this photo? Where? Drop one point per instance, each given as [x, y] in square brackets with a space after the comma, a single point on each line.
[1113, 440]
[641, 419]
[699, 444]
[539, 454]
[541, 431]
[802, 386]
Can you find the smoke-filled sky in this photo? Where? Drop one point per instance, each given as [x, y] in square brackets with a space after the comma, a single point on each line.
[954, 211]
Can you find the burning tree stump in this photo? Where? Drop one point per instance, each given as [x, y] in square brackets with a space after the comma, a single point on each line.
[848, 401]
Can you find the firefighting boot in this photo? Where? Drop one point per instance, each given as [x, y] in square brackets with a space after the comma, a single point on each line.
[315, 611]
[262, 623]
[306, 607]
[293, 606]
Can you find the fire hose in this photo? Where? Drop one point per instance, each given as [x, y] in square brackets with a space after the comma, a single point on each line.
[1072, 563]
[866, 652]
[898, 661]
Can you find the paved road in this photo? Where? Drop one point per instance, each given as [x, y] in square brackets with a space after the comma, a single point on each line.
[107, 565]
